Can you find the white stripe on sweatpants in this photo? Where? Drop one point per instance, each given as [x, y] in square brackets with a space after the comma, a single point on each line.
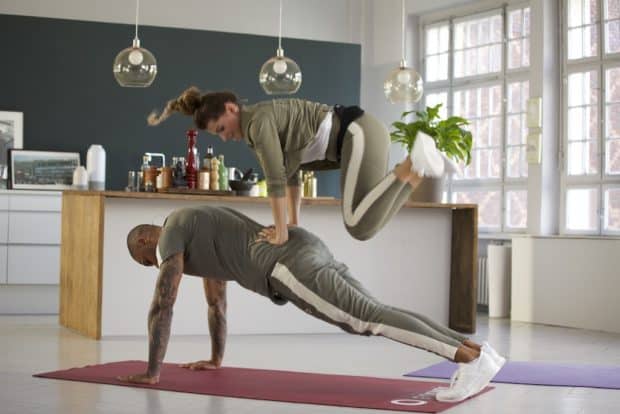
[355, 161]
[284, 275]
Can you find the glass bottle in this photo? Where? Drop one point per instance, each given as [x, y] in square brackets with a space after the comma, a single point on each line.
[223, 172]
[206, 162]
[191, 162]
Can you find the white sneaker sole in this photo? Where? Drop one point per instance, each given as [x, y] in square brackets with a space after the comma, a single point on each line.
[453, 395]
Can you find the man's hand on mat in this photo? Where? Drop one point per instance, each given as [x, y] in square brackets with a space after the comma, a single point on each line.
[139, 379]
[201, 365]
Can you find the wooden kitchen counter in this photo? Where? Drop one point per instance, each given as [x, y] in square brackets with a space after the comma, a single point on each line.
[428, 262]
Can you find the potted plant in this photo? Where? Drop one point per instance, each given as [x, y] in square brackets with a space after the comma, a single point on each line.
[450, 137]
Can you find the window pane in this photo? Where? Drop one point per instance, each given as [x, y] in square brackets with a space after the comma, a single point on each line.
[612, 120]
[514, 54]
[582, 123]
[489, 206]
[526, 53]
[526, 21]
[472, 34]
[433, 99]
[581, 209]
[478, 46]
[514, 130]
[515, 24]
[575, 50]
[576, 130]
[591, 11]
[612, 210]
[497, 28]
[483, 59]
[432, 68]
[443, 66]
[513, 158]
[459, 64]
[612, 9]
[459, 36]
[612, 157]
[583, 88]
[575, 12]
[583, 158]
[612, 37]
[612, 77]
[590, 41]
[495, 131]
[432, 41]
[471, 59]
[444, 38]
[516, 209]
[495, 64]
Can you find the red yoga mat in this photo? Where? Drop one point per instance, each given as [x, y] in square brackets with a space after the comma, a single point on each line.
[286, 386]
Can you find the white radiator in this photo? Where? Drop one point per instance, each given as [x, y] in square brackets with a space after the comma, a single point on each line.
[483, 281]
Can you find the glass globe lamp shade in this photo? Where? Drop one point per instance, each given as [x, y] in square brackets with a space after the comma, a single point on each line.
[403, 85]
[280, 75]
[135, 66]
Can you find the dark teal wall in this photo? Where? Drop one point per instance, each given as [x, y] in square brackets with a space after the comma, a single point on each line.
[59, 74]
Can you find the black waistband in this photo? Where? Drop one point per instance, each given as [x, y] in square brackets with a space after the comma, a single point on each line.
[346, 115]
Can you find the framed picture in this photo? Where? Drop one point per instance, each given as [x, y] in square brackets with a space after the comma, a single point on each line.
[41, 170]
[11, 136]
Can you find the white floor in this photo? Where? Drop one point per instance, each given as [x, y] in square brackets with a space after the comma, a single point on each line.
[31, 344]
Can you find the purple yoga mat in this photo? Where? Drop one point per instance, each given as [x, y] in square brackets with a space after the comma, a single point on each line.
[539, 373]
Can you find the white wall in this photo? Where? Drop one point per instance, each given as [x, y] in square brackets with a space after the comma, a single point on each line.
[566, 281]
[329, 20]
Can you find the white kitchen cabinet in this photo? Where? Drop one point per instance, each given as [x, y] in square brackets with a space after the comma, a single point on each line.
[34, 227]
[30, 237]
[33, 265]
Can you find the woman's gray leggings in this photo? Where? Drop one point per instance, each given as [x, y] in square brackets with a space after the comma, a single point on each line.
[370, 195]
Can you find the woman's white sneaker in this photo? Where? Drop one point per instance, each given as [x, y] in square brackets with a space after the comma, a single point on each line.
[469, 379]
[425, 157]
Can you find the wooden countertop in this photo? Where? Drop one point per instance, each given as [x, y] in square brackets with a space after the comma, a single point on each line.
[320, 201]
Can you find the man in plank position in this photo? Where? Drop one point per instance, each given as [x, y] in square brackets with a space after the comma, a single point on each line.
[220, 244]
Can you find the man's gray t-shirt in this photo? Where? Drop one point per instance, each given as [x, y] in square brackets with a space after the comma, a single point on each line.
[220, 243]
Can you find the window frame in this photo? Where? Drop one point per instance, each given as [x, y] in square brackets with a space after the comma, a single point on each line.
[601, 181]
[503, 184]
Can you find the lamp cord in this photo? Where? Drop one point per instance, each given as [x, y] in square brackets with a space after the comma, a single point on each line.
[137, 8]
[403, 30]
[280, 30]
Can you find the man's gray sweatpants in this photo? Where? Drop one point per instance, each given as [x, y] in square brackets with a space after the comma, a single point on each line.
[330, 293]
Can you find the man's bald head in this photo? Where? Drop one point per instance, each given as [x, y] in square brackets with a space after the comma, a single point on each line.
[142, 242]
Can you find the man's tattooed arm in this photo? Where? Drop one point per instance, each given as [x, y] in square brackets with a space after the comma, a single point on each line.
[215, 291]
[160, 315]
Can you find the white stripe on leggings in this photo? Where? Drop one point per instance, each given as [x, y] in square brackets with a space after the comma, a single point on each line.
[284, 275]
[355, 161]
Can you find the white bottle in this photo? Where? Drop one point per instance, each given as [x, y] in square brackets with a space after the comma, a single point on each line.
[80, 178]
[95, 165]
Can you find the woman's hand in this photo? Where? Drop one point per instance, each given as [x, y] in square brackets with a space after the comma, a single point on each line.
[271, 235]
[201, 365]
[139, 379]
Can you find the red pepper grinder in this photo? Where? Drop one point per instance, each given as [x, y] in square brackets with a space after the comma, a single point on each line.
[191, 161]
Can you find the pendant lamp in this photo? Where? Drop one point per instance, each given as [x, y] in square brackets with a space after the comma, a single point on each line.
[280, 75]
[404, 84]
[135, 66]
